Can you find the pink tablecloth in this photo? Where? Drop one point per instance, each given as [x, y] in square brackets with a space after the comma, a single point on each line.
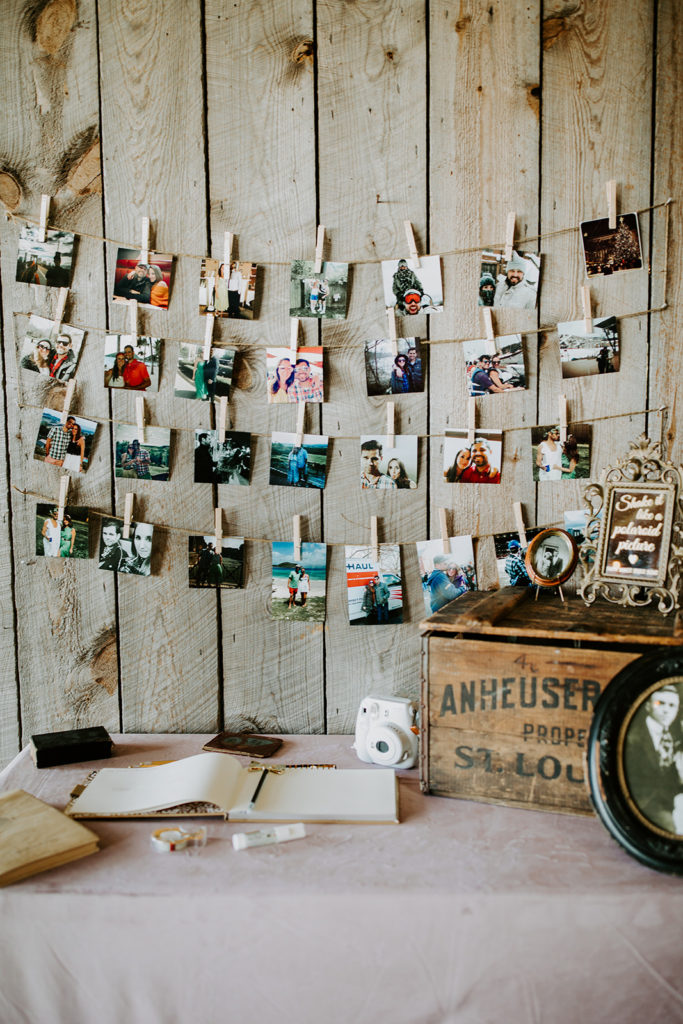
[463, 913]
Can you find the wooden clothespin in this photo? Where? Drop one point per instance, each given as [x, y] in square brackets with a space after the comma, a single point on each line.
[296, 537]
[391, 439]
[59, 311]
[133, 318]
[140, 417]
[509, 236]
[563, 418]
[471, 420]
[488, 322]
[519, 523]
[44, 214]
[374, 545]
[63, 492]
[208, 335]
[228, 240]
[128, 514]
[612, 204]
[300, 413]
[293, 337]
[144, 240]
[319, 243]
[412, 246]
[587, 312]
[443, 527]
[391, 317]
[218, 529]
[68, 399]
[222, 417]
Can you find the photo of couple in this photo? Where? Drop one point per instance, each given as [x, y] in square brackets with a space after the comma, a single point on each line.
[374, 588]
[131, 362]
[295, 465]
[227, 462]
[322, 295]
[509, 285]
[147, 461]
[145, 277]
[410, 288]
[295, 375]
[554, 460]
[227, 290]
[50, 349]
[200, 378]
[68, 538]
[48, 263]
[131, 555]
[390, 372]
[298, 588]
[384, 467]
[208, 567]
[494, 368]
[476, 463]
[445, 575]
[67, 445]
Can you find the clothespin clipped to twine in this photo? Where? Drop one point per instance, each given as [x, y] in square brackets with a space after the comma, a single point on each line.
[140, 417]
[63, 492]
[374, 544]
[208, 335]
[519, 523]
[144, 240]
[563, 418]
[319, 243]
[391, 439]
[128, 514]
[443, 529]
[509, 236]
[488, 322]
[587, 312]
[412, 246]
[218, 528]
[296, 537]
[228, 241]
[391, 317]
[59, 311]
[300, 413]
[222, 417]
[44, 214]
[293, 337]
[68, 399]
[611, 187]
[471, 420]
[133, 318]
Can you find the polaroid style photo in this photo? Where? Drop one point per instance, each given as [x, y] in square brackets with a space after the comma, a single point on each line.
[48, 263]
[227, 462]
[389, 373]
[132, 554]
[208, 567]
[200, 378]
[494, 368]
[576, 525]
[509, 285]
[553, 460]
[147, 460]
[50, 349]
[299, 584]
[323, 295]
[132, 362]
[227, 290]
[295, 375]
[410, 288]
[584, 354]
[68, 538]
[67, 445]
[510, 553]
[476, 463]
[148, 282]
[445, 575]
[388, 467]
[609, 250]
[374, 589]
[293, 465]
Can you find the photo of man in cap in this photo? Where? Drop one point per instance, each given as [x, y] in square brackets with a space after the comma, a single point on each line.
[514, 290]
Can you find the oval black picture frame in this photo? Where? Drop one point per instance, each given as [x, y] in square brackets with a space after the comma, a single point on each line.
[613, 802]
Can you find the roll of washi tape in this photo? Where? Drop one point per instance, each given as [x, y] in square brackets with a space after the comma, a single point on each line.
[167, 840]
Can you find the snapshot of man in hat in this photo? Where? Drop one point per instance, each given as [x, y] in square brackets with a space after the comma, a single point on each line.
[517, 287]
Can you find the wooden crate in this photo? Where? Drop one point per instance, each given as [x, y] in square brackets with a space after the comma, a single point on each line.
[508, 689]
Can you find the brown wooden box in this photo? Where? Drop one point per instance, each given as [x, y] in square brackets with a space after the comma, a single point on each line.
[508, 689]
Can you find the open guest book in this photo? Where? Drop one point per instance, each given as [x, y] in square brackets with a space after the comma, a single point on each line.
[217, 784]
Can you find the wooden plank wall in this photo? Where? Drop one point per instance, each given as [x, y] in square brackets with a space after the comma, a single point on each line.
[266, 119]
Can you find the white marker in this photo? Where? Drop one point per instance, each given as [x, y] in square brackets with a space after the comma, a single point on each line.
[266, 836]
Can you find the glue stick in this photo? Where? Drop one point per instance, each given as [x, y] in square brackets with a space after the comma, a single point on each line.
[266, 836]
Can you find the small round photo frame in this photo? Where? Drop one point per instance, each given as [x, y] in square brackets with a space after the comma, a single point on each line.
[551, 557]
[634, 776]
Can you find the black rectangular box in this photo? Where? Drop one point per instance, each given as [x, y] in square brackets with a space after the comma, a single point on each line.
[52, 748]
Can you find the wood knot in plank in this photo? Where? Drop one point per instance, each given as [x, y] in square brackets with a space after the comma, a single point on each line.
[304, 53]
[85, 176]
[53, 24]
[103, 661]
[554, 28]
[242, 378]
[10, 190]
[533, 98]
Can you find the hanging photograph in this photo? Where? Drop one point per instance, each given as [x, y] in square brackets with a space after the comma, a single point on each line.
[148, 282]
[389, 373]
[226, 462]
[50, 349]
[294, 465]
[298, 590]
[132, 554]
[410, 288]
[584, 354]
[374, 589]
[609, 250]
[445, 575]
[67, 445]
[208, 567]
[553, 460]
[227, 290]
[385, 466]
[68, 538]
[295, 375]
[510, 554]
[48, 263]
[147, 460]
[511, 284]
[131, 362]
[200, 378]
[322, 295]
[494, 367]
[476, 463]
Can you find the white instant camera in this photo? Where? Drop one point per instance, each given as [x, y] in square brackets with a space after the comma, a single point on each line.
[387, 731]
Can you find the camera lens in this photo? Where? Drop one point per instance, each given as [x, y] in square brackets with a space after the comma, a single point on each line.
[387, 744]
[382, 746]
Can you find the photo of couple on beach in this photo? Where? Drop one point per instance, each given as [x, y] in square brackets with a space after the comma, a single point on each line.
[298, 588]
[131, 362]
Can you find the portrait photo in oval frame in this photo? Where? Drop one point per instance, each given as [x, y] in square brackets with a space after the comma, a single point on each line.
[551, 557]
